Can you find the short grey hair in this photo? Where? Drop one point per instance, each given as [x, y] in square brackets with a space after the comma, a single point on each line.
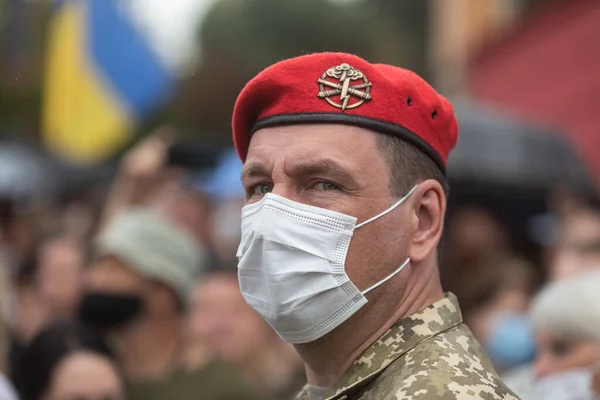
[570, 307]
[408, 165]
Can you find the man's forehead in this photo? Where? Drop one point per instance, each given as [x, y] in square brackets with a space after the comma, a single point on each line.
[312, 140]
[310, 147]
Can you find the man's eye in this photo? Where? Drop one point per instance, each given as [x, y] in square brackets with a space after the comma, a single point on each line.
[262, 189]
[325, 186]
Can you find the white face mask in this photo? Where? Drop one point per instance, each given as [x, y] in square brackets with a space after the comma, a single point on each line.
[572, 385]
[291, 266]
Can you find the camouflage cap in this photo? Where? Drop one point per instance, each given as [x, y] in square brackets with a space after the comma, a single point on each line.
[155, 247]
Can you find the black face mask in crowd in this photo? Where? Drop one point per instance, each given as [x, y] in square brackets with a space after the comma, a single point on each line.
[107, 310]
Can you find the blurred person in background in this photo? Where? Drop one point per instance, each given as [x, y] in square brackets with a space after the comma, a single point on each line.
[496, 303]
[67, 361]
[221, 321]
[19, 232]
[224, 188]
[46, 287]
[145, 178]
[78, 212]
[474, 233]
[494, 287]
[27, 313]
[136, 290]
[566, 320]
[573, 385]
[190, 210]
[142, 177]
[7, 391]
[474, 236]
[578, 246]
[60, 264]
[9, 256]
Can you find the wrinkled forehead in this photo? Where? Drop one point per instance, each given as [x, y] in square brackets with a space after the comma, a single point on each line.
[352, 148]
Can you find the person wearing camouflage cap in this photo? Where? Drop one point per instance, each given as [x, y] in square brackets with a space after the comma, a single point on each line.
[136, 291]
[345, 185]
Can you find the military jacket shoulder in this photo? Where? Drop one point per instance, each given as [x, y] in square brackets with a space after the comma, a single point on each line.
[428, 355]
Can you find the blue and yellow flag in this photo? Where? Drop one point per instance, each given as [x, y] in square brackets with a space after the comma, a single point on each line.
[100, 79]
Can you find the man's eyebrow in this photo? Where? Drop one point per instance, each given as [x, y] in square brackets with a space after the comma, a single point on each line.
[302, 168]
[321, 166]
[254, 169]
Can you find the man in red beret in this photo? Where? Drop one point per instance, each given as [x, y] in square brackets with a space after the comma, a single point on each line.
[344, 173]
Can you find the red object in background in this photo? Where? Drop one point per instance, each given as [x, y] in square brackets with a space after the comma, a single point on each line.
[548, 70]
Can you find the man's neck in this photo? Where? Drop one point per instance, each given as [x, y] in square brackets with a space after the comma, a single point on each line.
[150, 350]
[327, 358]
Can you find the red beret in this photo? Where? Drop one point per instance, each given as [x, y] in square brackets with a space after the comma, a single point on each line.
[345, 89]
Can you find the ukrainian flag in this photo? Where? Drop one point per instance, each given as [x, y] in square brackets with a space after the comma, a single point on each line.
[100, 79]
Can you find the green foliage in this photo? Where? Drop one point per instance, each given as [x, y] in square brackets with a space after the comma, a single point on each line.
[21, 73]
[240, 37]
[265, 31]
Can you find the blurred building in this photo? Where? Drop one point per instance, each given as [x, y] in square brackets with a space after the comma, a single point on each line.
[458, 29]
[546, 70]
[534, 59]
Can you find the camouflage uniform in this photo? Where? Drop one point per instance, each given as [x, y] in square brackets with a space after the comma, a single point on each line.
[428, 355]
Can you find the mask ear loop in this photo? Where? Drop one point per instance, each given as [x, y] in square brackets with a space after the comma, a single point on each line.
[388, 210]
[388, 278]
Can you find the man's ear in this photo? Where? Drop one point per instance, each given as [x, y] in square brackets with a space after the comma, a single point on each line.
[429, 209]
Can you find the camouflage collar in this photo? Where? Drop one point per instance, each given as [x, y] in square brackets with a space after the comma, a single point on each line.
[402, 337]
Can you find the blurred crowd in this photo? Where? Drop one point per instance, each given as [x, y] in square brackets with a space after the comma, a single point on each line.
[132, 293]
[537, 322]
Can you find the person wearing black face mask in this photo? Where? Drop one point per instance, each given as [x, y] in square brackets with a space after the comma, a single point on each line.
[105, 311]
[136, 292]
